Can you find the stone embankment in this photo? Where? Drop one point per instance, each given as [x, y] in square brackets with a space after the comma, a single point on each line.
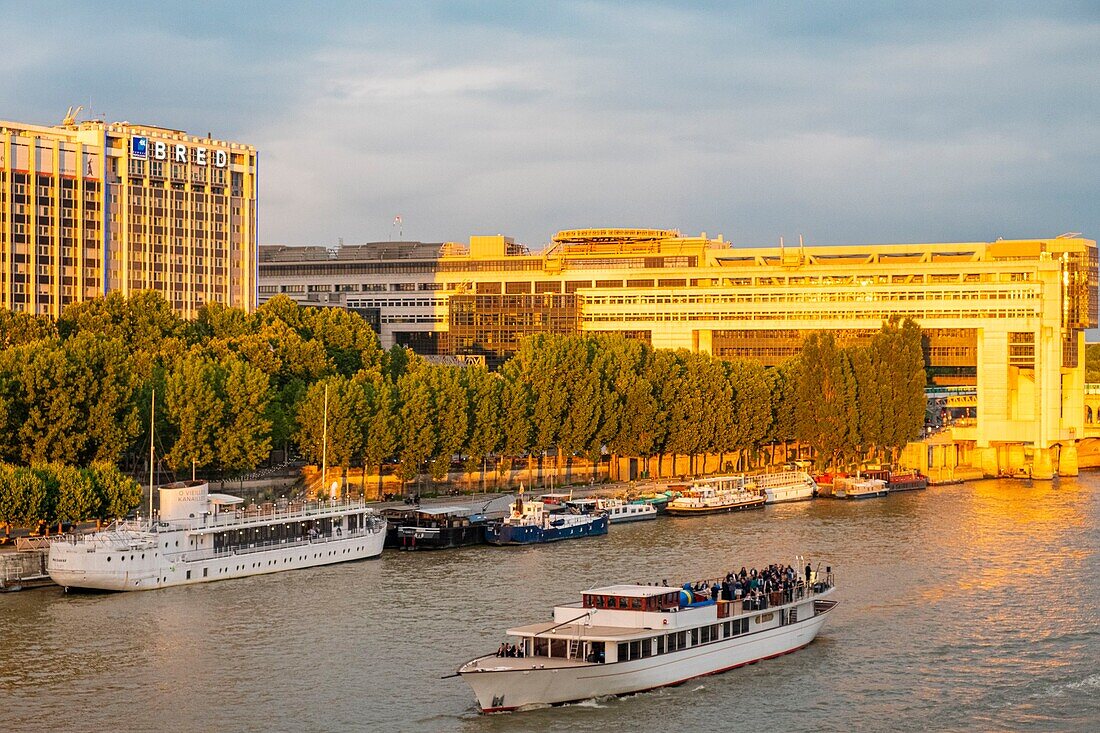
[23, 568]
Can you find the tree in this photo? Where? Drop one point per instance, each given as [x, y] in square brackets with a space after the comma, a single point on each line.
[380, 439]
[347, 411]
[11, 498]
[417, 433]
[76, 500]
[825, 415]
[246, 432]
[451, 417]
[484, 435]
[116, 494]
[516, 430]
[194, 409]
[34, 504]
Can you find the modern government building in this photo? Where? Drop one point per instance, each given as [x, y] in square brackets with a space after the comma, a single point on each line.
[88, 208]
[1005, 317]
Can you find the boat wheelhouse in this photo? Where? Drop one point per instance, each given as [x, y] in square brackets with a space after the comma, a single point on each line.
[201, 536]
[783, 486]
[617, 510]
[630, 638]
[533, 522]
[716, 495]
[859, 488]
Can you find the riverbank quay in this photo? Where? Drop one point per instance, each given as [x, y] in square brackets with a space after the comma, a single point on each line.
[23, 569]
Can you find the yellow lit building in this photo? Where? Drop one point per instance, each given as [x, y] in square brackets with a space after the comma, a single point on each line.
[1007, 317]
[91, 207]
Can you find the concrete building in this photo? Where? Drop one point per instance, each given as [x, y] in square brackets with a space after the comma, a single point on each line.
[1005, 316]
[91, 207]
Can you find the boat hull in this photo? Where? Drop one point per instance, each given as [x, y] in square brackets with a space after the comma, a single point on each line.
[782, 494]
[511, 534]
[498, 691]
[439, 538]
[863, 494]
[147, 570]
[697, 511]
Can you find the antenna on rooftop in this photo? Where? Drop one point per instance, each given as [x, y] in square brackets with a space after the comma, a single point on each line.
[397, 224]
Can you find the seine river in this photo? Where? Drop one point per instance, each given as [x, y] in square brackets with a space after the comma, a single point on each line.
[972, 607]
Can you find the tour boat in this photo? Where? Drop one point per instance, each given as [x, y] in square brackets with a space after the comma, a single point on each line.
[785, 486]
[629, 638]
[860, 488]
[617, 510]
[713, 495]
[201, 536]
[533, 522]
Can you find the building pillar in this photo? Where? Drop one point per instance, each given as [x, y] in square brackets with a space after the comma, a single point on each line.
[1067, 460]
[1042, 465]
[987, 460]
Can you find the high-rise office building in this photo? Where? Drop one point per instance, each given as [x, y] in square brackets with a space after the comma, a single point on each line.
[91, 207]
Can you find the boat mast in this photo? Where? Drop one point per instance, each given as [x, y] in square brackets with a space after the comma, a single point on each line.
[152, 414]
[324, 445]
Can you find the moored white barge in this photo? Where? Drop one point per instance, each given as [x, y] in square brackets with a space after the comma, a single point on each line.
[630, 638]
[200, 536]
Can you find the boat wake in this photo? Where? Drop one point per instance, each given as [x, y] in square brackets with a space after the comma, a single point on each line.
[1088, 684]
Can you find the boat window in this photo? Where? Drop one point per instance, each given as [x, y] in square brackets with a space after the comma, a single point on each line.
[558, 648]
[745, 625]
[542, 647]
[647, 648]
[694, 637]
[635, 649]
[636, 603]
[672, 642]
[704, 637]
[660, 645]
[623, 655]
[726, 629]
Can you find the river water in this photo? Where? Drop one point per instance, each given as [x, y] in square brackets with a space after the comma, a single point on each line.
[973, 607]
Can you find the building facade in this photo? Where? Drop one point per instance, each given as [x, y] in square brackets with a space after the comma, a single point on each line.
[87, 208]
[1007, 316]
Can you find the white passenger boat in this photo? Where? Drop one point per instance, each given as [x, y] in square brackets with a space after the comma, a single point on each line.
[201, 536]
[714, 495]
[785, 486]
[617, 510]
[629, 638]
[857, 488]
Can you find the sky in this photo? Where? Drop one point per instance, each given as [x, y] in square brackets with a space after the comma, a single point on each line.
[846, 122]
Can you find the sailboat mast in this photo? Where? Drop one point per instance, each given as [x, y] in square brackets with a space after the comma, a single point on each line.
[152, 415]
[324, 445]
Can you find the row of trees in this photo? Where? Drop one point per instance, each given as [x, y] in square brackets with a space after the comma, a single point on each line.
[584, 394]
[231, 385]
[57, 493]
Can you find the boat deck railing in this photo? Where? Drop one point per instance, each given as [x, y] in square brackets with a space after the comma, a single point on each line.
[267, 513]
[254, 547]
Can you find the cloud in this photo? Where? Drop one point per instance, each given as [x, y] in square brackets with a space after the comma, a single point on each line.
[850, 122]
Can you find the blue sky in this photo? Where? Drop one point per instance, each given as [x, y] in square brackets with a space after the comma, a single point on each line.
[846, 122]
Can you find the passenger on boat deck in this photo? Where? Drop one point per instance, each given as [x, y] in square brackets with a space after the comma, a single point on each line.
[715, 590]
[502, 651]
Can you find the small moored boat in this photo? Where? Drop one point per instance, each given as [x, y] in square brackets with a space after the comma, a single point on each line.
[716, 495]
[785, 486]
[617, 510]
[533, 522]
[860, 488]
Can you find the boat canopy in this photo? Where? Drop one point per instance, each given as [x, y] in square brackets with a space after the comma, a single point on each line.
[224, 499]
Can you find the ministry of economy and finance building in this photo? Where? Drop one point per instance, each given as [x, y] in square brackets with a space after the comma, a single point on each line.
[91, 207]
